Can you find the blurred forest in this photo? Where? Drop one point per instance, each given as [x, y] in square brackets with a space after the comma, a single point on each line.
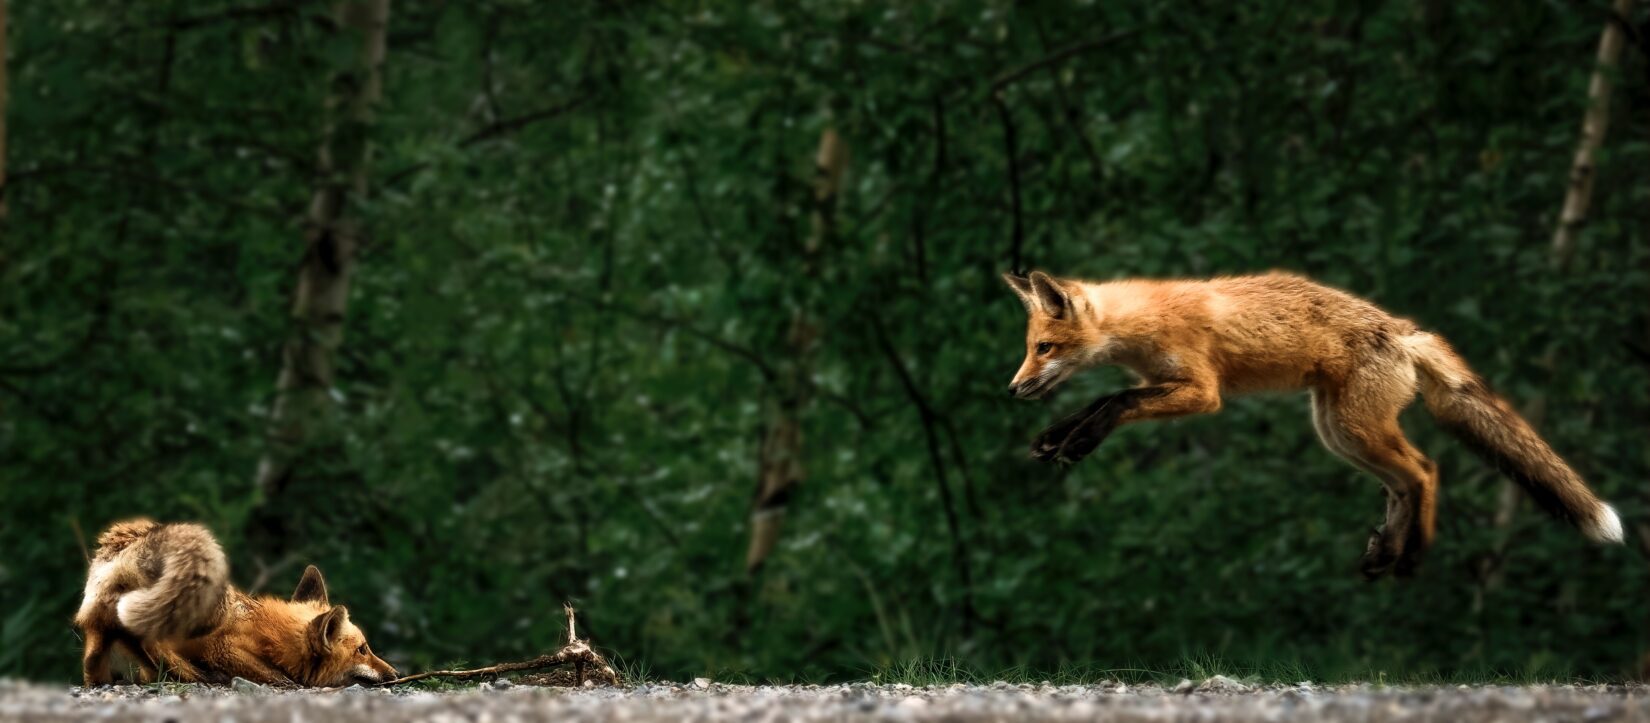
[503, 303]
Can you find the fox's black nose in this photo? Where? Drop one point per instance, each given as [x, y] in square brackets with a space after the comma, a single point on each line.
[1013, 390]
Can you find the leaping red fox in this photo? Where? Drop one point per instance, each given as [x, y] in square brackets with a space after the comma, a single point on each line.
[160, 594]
[1191, 342]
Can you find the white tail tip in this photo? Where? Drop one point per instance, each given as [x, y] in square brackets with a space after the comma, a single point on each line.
[1605, 525]
[136, 611]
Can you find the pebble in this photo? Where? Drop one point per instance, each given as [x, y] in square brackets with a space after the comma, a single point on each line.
[1221, 684]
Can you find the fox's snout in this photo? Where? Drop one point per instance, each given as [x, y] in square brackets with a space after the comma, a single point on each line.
[1023, 390]
[1037, 376]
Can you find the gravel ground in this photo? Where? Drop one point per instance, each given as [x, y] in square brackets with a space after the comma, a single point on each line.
[1216, 699]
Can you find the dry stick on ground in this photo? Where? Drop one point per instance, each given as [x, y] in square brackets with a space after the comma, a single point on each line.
[576, 651]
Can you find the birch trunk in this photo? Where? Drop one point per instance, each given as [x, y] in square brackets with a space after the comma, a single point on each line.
[304, 389]
[1577, 198]
[779, 461]
[1594, 123]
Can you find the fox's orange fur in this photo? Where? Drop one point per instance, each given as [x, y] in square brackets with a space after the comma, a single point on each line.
[1192, 342]
[160, 594]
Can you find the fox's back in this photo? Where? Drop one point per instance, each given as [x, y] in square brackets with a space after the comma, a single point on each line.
[1279, 330]
[1305, 329]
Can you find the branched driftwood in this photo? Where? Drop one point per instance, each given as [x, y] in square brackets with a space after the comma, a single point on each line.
[576, 652]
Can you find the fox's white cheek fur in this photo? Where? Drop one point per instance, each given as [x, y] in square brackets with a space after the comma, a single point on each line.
[1053, 373]
[1050, 373]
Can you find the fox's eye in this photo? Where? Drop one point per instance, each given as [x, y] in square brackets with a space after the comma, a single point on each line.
[361, 650]
[1044, 347]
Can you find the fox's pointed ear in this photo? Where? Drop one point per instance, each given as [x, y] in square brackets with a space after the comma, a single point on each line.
[1049, 295]
[324, 630]
[1022, 288]
[311, 587]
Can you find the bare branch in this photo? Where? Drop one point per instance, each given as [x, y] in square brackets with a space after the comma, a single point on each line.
[925, 412]
[267, 10]
[1059, 55]
[510, 125]
[1017, 241]
[745, 353]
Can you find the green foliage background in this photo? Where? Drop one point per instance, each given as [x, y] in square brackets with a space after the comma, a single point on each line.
[529, 411]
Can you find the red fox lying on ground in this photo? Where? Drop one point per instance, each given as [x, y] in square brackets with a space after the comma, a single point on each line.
[161, 595]
[1192, 342]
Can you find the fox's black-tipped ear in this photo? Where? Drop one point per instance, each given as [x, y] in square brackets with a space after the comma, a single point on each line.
[1021, 286]
[324, 630]
[1048, 294]
[311, 587]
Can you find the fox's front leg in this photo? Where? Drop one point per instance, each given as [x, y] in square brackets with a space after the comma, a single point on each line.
[244, 664]
[1074, 437]
[1048, 442]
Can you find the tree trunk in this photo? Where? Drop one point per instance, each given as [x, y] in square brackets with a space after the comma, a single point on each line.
[4, 49]
[304, 389]
[779, 461]
[1577, 197]
[1594, 123]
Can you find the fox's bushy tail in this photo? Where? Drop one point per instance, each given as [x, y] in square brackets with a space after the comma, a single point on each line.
[188, 579]
[1464, 405]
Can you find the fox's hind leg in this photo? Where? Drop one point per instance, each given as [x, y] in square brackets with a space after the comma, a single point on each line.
[94, 661]
[102, 644]
[1359, 422]
[138, 653]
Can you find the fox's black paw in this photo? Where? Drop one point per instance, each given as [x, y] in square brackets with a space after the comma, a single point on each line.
[1064, 445]
[1085, 439]
[1077, 435]
[1046, 447]
[1378, 558]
